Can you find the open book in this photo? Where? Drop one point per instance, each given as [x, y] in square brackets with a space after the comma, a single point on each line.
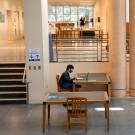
[80, 78]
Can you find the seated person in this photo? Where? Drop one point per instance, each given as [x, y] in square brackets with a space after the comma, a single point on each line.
[66, 81]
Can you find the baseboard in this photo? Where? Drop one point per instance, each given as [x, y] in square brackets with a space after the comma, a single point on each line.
[118, 93]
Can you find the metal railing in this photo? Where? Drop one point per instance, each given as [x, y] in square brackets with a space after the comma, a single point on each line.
[24, 80]
[24, 75]
[127, 48]
[80, 47]
[72, 47]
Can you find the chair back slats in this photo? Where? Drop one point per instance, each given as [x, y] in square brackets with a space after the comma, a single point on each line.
[77, 105]
[77, 108]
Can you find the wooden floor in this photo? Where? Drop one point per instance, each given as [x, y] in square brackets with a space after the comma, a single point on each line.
[27, 120]
[12, 51]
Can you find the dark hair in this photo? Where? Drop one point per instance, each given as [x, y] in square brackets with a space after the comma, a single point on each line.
[70, 67]
[98, 19]
[91, 20]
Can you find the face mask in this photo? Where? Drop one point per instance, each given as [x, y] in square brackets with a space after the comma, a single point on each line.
[70, 70]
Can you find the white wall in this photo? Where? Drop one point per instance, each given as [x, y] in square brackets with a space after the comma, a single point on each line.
[13, 5]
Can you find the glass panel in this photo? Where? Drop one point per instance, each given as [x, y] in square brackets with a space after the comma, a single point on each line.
[67, 18]
[91, 11]
[91, 14]
[74, 18]
[67, 13]
[59, 10]
[52, 18]
[66, 10]
[81, 16]
[82, 10]
[87, 12]
[73, 10]
[51, 10]
[59, 18]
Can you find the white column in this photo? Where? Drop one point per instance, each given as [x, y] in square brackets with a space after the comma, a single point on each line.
[36, 36]
[117, 43]
[132, 45]
[127, 10]
[100, 10]
[103, 15]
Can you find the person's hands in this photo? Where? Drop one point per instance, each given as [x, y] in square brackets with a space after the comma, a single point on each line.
[73, 78]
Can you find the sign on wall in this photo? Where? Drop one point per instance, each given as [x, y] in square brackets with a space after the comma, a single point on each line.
[34, 54]
[2, 17]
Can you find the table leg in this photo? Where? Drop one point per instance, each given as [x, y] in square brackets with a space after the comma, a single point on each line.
[107, 113]
[44, 115]
[74, 89]
[109, 89]
[48, 112]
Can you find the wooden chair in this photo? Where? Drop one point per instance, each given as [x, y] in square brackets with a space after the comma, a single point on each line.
[59, 89]
[77, 108]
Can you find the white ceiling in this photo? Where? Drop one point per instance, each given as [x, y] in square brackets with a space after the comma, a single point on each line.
[71, 2]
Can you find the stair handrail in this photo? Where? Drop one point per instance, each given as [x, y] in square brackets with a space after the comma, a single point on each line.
[27, 84]
[24, 74]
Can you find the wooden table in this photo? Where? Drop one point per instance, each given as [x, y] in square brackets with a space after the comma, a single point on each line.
[93, 78]
[93, 97]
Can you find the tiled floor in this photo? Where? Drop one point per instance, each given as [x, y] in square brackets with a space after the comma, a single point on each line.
[27, 120]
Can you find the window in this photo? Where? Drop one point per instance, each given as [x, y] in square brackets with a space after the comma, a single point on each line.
[52, 18]
[67, 10]
[59, 10]
[69, 14]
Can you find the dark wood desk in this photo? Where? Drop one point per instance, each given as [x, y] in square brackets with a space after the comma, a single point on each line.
[93, 78]
[95, 97]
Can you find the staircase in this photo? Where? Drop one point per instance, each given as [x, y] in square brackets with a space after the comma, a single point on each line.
[12, 89]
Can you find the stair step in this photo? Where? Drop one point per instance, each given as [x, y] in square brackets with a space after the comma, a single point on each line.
[1, 86]
[13, 92]
[12, 99]
[8, 89]
[13, 102]
[14, 68]
[11, 76]
[11, 73]
[12, 64]
[12, 89]
[8, 80]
